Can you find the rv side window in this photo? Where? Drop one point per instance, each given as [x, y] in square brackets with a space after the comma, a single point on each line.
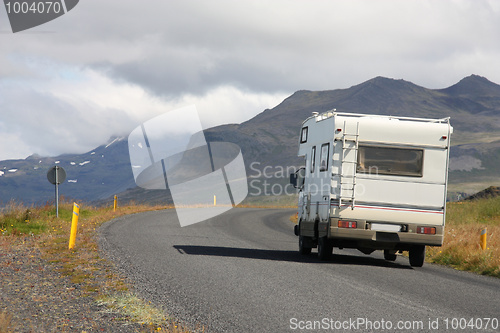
[313, 159]
[390, 161]
[325, 151]
[303, 135]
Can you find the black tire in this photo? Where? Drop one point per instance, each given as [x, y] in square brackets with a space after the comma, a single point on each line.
[417, 256]
[390, 255]
[325, 248]
[304, 250]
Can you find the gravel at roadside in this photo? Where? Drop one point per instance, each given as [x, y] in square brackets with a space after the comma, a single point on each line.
[35, 297]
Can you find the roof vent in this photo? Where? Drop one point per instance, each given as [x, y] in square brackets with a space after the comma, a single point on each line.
[315, 114]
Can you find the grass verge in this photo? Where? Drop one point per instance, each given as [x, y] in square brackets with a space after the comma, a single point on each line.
[461, 249]
[39, 227]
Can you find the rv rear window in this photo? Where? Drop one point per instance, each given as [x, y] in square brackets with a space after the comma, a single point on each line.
[303, 135]
[313, 159]
[390, 161]
[323, 161]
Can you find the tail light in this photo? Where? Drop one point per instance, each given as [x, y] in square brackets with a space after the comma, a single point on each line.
[347, 224]
[426, 230]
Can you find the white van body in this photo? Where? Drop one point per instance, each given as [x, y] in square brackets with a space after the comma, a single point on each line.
[373, 183]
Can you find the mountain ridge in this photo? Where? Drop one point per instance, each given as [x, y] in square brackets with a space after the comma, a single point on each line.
[376, 96]
[472, 85]
[271, 138]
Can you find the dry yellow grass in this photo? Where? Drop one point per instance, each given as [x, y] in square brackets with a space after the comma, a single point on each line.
[82, 264]
[461, 249]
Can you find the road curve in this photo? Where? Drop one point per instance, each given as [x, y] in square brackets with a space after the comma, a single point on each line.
[241, 272]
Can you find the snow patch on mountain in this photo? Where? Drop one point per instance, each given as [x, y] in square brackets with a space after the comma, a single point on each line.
[115, 140]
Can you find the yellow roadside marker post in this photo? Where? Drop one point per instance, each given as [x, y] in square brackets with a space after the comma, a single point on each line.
[215, 200]
[114, 205]
[484, 235]
[74, 225]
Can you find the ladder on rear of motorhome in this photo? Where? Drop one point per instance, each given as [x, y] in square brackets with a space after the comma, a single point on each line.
[348, 164]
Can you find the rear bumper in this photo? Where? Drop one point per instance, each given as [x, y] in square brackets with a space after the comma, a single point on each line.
[363, 236]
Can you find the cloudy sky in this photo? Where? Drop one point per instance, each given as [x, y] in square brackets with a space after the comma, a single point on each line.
[107, 66]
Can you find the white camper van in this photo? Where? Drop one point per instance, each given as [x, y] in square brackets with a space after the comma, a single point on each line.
[372, 183]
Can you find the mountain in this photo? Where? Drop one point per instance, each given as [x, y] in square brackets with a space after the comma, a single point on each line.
[490, 192]
[270, 138]
[472, 87]
[95, 175]
[269, 141]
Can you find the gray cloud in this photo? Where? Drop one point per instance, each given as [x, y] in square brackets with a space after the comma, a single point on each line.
[52, 124]
[150, 56]
[285, 46]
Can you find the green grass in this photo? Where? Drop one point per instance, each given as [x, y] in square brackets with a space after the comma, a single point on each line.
[17, 220]
[476, 212]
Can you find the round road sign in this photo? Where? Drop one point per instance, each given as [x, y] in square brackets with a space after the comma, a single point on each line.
[56, 175]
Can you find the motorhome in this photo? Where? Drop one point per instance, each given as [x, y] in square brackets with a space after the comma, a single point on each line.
[372, 182]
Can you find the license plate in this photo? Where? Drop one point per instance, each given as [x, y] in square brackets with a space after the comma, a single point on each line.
[386, 227]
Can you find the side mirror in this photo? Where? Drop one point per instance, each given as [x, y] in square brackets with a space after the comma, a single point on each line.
[297, 178]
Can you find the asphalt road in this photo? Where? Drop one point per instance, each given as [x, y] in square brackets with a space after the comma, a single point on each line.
[241, 272]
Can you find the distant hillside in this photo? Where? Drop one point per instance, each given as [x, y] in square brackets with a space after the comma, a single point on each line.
[270, 140]
[490, 192]
[95, 175]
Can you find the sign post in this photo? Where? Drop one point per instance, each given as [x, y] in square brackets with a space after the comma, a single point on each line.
[56, 176]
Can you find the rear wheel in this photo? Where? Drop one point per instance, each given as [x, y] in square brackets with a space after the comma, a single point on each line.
[390, 255]
[417, 256]
[325, 248]
[304, 247]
